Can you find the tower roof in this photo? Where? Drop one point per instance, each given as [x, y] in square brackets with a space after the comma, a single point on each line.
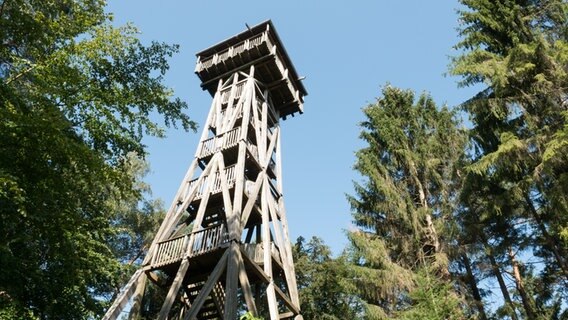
[260, 46]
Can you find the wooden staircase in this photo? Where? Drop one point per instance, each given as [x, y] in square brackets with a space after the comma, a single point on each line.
[213, 307]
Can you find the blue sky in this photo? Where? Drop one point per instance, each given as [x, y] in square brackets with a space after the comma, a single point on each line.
[346, 49]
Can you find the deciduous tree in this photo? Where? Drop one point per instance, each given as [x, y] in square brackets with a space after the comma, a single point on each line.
[76, 97]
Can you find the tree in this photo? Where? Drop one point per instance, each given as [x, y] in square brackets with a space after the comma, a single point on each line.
[403, 208]
[325, 289]
[517, 50]
[76, 98]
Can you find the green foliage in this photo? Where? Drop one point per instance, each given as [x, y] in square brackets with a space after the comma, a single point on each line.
[432, 300]
[76, 97]
[404, 206]
[324, 283]
[249, 316]
[515, 190]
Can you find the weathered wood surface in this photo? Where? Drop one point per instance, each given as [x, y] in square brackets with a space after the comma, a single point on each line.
[230, 199]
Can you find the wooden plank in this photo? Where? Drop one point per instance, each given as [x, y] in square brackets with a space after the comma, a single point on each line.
[264, 131]
[266, 243]
[214, 165]
[278, 165]
[231, 107]
[240, 170]
[207, 287]
[137, 298]
[286, 315]
[174, 289]
[217, 106]
[232, 221]
[251, 200]
[123, 298]
[245, 285]
[231, 284]
[290, 272]
[270, 149]
[267, 279]
[257, 127]
[285, 257]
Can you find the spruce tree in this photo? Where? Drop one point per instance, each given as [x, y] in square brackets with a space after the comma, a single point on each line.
[403, 207]
[515, 192]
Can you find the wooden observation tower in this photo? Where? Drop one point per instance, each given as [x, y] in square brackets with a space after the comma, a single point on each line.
[223, 248]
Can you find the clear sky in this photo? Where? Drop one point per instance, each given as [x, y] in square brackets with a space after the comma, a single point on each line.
[346, 49]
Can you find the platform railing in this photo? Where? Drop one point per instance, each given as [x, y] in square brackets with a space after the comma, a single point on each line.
[203, 241]
[208, 239]
[226, 93]
[219, 142]
[216, 187]
[230, 52]
[170, 250]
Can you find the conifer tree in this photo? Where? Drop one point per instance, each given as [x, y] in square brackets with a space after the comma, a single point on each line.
[516, 185]
[404, 206]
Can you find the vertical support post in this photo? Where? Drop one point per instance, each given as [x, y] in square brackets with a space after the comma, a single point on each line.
[267, 246]
[137, 298]
[233, 219]
[231, 282]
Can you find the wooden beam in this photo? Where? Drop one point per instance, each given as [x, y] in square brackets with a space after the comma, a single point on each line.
[227, 199]
[174, 289]
[231, 283]
[286, 259]
[290, 267]
[240, 169]
[267, 279]
[230, 106]
[207, 287]
[123, 298]
[256, 62]
[252, 196]
[137, 298]
[286, 315]
[267, 254]
[245, 284]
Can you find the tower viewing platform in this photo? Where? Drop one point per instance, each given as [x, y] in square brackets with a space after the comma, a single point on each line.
[223, 247]
[259, 46]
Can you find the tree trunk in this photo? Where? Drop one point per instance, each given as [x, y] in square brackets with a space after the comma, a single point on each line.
[499, 276]
[552, 243]
[526, 299]
[473, 286]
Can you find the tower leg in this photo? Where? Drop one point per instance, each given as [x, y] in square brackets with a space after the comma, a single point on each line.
[172, 294]
[137, 298]
[231, 282]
